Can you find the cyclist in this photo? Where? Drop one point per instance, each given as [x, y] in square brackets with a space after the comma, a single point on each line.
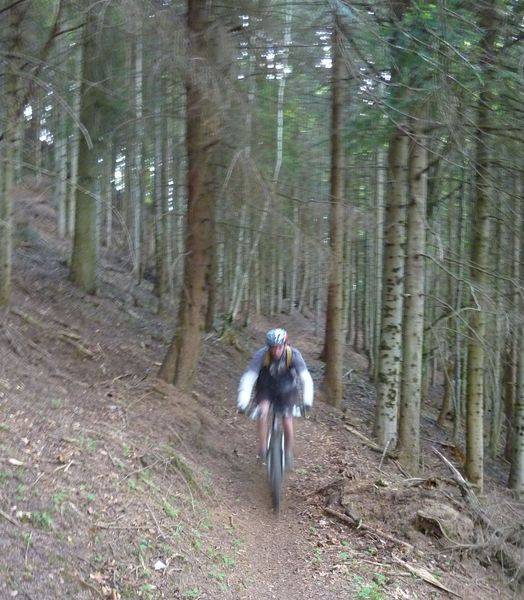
[274, 372]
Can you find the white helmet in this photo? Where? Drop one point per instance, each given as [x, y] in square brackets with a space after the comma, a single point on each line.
[276, 337]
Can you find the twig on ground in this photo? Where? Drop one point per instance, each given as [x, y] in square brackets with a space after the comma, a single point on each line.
[142, 469]
[65, 336]
[65, 467]
[136, 401]
[116, 463]
[160, 532]
[9, 518]
[121, 527]
[401, 469]
[503, 547]
[386, 448]
[420, 481]
[115, 379]
[29, 537]
[328, 486]
[465, 488]
[426, 576]
[91, 587]
[76, 345]
[359, 525]
[371, 444]
[36, 480]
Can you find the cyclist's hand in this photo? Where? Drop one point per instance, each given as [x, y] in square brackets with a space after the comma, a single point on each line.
[242, 403]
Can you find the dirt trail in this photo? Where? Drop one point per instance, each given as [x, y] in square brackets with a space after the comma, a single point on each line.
[114, 485]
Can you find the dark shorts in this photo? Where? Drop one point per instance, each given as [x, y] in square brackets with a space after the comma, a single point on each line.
[282, 390]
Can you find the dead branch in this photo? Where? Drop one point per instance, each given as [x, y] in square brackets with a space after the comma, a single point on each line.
[77, 345]
[62, 334]
[160, 532]
[426, 576]
[369, 443]
[505, 555]
[28, 318]
[327, 487]
[465, 488]
[386, 448]
[121, 527]
[9, 518]
[350, 520]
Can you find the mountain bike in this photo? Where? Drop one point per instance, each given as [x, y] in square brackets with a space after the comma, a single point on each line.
[276, 456]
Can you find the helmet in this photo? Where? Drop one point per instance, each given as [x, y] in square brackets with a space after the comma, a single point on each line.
[276, 337]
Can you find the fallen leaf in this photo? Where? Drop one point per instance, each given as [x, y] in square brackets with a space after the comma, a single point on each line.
[98, 577]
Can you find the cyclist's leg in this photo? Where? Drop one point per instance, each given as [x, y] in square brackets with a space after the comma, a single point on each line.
[262, 426]
[289, 399]
[287, 425]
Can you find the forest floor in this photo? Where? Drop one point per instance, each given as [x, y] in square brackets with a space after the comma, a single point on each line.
[115, 485]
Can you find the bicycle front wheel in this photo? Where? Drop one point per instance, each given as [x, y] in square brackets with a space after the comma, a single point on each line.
[276, 467]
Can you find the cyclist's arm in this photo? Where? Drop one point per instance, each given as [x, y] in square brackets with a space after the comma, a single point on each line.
[248, 379]
[305, 377]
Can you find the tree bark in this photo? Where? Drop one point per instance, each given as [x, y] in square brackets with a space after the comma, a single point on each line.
[380, 187]
[334, 334]
[84, 257]
[160, 203]
[516, 476]
[480, 263]
[181, 361]
[137, 156]
[8, 150]
[390, 348]
[511, 356]
[413, 330]
[74, 144]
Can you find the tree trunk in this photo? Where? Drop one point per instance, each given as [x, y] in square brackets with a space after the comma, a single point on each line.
[458, 346]
[413, 334]
[160, 204]
[107, 195]
[293, 284]
[60, 167]
[378, 264]
[390, 348]
[334, 335]
[60, 148]
[511, 362]
[84, 257]
[74, 149]
[516, 476]
[181, 361]
[494, 397]
[137, 157]
[8, 150]
[480, 263]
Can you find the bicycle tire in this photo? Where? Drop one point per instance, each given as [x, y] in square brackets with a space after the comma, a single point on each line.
[276, 467]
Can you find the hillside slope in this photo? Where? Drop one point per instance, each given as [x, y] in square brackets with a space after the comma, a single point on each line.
[115, 485]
